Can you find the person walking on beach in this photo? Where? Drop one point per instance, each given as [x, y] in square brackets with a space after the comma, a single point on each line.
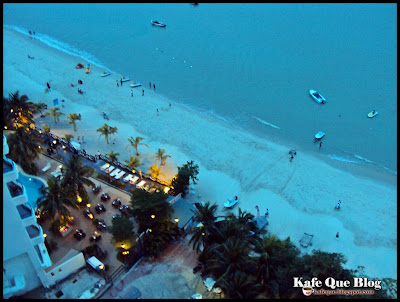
[117, 83]
[48, 85]
[157, 112]
[131, 93]
[258, 211]
[267, 213]
[337, 236]
[320, 144]
[142, 92]
[121, 82]
[154, 86]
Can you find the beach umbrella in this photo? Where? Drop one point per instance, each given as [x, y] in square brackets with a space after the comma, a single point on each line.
[55, 102]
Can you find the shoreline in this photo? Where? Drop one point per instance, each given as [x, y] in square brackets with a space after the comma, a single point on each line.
[230, 162]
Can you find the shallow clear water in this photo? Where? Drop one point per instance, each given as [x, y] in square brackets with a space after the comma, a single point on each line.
[251, 65]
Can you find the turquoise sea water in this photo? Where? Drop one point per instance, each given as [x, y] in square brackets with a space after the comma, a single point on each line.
[251, 65]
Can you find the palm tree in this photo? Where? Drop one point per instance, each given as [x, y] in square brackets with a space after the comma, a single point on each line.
[133, 162]
[206, 214]
[68, 137]
[135, 143]
[104, 130]
[56, 199]
[229, 257]
[113, 156]
[113, 130]
[75, 176]
[19, 109]
[240, 286]
[72, 117]
[39, 107]
[155, 171]
[24, 148]
[160, 155]
[46, 129]
[56, 113]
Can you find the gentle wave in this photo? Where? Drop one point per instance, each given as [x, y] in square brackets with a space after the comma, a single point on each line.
[266, 123]
[62, 46]
[343, 159]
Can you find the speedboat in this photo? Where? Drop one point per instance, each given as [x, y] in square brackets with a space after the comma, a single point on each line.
[105, 73]
[135, 84]
[320, 135]
[372, 113]
[125, 79]
[157, 23]
[231, 202]
[317, 97]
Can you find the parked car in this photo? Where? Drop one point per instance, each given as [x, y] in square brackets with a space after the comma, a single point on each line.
[96, 189]
[101, 225]
[95, 237]
[123, 209]
[116, 215]
[116, 203]
[105, 197]
[100, 208]
[88, 214]
[79, 234]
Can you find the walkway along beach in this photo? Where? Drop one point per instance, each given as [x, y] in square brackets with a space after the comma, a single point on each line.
[300, 195]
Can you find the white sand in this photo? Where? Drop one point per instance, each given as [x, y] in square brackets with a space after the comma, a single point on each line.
[300, 195]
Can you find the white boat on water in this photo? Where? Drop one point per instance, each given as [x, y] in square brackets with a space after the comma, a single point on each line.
[135, 84]
[231, 202]
[372, 113]
[317, 97]
[320, 135]
[157, 23]
[125, 79]
[105, 73]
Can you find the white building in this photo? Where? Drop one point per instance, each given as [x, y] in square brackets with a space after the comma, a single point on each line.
[25, 256]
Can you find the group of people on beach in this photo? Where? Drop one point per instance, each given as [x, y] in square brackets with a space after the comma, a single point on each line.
[31, 32]
[292, 152]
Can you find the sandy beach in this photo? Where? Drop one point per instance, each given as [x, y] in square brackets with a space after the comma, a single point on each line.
[300, 195]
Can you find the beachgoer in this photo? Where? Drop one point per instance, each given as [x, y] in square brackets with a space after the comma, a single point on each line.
[142, 92]
[338, 206]
[78, 137]
[320, 144]
[117, 83]
[48, 85]
[157, 112]
[337, 235]
[258, 211]
[169, 104]
[79, 114]
[80, 82]
[267, 213]
[291, 158]
[121, 82]
[154, 86]
[30, 32]
[236, 197]
[98, 154]
[131, 92]
[72, 85]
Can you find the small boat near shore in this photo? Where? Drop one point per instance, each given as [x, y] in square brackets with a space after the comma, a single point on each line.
[231, 202]
[125, 79]
[157, 23]
[105, 73]
[317, 97]
[135, 84]
[320, 135]
[372, 113]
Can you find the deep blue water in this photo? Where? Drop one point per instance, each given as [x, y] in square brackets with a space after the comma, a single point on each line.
[250, 65]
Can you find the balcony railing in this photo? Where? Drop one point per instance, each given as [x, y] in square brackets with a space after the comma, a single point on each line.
[25, 211]
[33, 231]
[15, 188]
[8, 165]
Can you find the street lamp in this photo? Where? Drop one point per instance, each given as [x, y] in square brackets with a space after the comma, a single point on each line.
[176, 220]
[153, 216]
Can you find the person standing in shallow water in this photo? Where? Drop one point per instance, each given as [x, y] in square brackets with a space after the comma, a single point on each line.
[154, 86]
[142, 92]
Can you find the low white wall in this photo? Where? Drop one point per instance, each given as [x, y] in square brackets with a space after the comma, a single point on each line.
[65, 269]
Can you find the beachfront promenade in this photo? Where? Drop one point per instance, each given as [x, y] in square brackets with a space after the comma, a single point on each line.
[66, 149]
